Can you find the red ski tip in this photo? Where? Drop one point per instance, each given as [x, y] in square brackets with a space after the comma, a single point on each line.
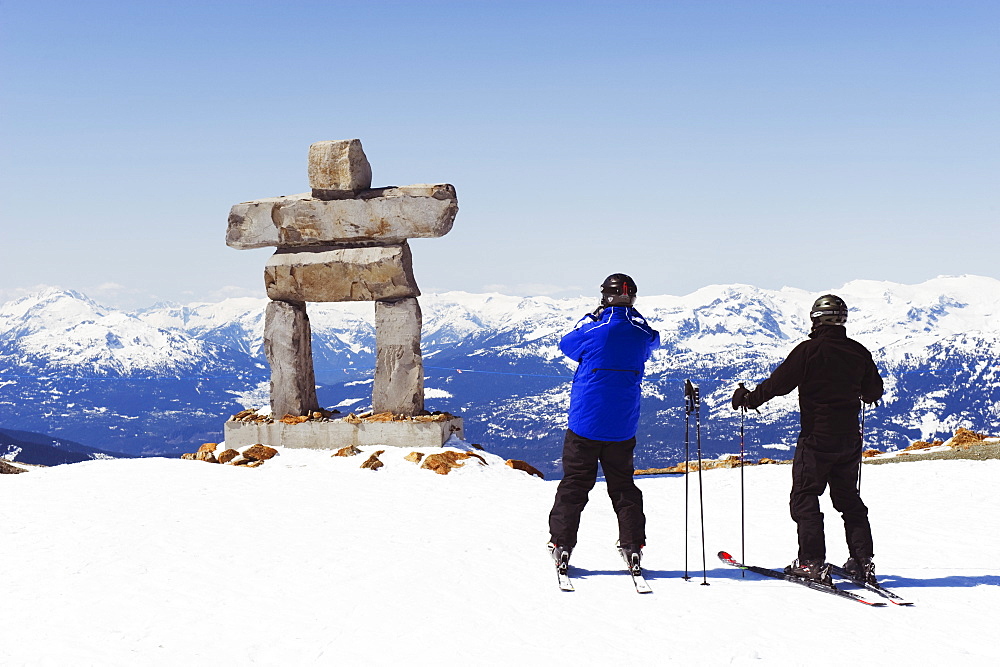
[725, 555]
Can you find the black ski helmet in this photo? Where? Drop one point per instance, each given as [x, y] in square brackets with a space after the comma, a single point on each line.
[618, 289]
[828, 309]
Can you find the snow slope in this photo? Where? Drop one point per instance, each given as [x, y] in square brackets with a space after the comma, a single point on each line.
[310, 560]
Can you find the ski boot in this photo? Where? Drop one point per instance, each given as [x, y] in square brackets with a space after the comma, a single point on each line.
[632, 555]
[862, 569]
[560, 555]
[812, 568]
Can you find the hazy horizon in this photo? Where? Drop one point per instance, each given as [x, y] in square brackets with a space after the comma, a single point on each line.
[127, 304]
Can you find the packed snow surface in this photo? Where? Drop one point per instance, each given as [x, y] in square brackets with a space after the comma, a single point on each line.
[311, 560]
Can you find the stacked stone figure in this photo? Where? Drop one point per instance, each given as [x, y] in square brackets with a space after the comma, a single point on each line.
[344, 241]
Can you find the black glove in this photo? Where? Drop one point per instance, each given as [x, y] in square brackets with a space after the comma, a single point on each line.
[741, 400]
[596, 315]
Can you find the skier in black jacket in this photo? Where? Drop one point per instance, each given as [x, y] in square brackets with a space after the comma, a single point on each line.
[834, 374]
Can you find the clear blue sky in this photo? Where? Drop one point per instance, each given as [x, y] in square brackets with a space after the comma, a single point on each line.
[797, 143]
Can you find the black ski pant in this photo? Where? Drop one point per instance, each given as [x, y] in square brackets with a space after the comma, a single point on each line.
[580, 459]
[828, 460]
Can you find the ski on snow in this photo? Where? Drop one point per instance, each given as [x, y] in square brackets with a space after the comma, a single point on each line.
[808, 583]
[634, 569]
[640, 582]
[566, 583]
[838, 571]
[562, 572]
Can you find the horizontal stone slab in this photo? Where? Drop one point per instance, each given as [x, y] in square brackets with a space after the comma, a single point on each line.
[337, 434]
[326, 273]
[387, 215]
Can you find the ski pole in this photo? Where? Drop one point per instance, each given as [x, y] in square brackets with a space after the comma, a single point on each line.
[688, 409]
[701, 486]
[743, 529]
[862, 460]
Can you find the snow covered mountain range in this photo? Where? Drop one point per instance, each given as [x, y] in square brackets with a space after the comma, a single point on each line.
[159, 380]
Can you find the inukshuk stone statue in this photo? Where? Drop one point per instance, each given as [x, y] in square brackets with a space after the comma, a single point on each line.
[344, 241]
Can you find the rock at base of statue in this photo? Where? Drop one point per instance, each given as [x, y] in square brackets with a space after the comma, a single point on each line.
[288, 348]
[337, 434]
[399, 367]
[332, 273]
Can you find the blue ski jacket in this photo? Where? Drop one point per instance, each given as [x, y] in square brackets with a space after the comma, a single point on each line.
[612, 352]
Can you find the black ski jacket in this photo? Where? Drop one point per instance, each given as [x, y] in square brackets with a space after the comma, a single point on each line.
[833, 373]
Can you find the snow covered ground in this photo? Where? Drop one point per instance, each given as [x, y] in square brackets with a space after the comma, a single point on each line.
[311, 560]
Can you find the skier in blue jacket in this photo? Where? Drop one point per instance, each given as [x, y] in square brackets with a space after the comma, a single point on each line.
[611, 346]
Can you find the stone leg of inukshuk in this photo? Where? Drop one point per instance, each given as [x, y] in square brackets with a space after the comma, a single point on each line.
[288, 347]
[399, 367]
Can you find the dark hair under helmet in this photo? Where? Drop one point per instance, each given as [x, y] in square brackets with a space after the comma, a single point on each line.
[828, 309]
[618, 289]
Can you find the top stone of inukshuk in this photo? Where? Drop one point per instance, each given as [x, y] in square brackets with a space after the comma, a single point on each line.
[344, 241]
